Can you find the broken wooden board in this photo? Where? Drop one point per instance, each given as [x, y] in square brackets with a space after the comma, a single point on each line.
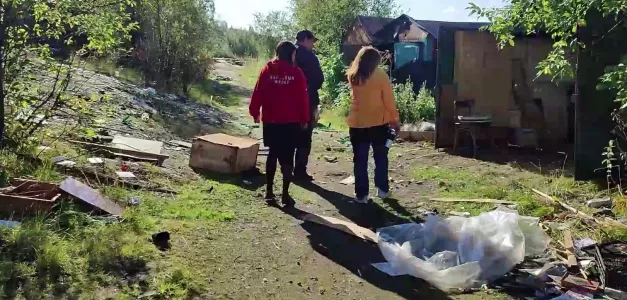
[494, 201]
[181, 144]
[348, 227]
[126, 175]
[158, 159]
[96, 161]
[570, 250]
[90, 197]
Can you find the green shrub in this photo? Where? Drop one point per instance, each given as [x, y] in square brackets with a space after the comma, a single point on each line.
[426, 104]
[414, 108]
[334, 79]
[343, 99]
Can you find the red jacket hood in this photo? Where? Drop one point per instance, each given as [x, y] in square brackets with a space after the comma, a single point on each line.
[281, 92]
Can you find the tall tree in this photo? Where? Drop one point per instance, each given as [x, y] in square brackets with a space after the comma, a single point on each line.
[329, 19]
[176, 39]
[273, 27]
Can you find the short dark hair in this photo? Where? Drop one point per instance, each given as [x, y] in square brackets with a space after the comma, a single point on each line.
[284, 51]
[305, 35]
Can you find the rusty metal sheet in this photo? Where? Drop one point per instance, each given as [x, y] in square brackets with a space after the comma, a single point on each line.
[90, 196]
[28, 196]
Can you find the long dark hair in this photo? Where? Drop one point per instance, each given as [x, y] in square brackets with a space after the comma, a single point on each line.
[367, 60]
[284, 51]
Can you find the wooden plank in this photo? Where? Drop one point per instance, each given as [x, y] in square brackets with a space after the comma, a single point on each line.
[348, 227]
[570, 249]
[495, 201]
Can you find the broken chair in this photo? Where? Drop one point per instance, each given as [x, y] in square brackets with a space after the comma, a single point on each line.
[466, 121]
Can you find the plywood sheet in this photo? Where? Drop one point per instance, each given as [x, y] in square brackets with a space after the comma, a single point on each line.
[348, 227]
[133, 144]
[483, 73]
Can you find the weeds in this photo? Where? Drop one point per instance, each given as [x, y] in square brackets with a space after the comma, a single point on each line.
[252, 68]
[414, 108]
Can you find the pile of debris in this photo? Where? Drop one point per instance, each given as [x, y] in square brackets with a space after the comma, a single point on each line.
[497, 250]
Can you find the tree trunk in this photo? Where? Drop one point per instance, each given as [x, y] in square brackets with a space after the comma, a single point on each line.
[2, 69]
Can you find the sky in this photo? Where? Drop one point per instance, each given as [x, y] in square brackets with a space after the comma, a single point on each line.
[239, 13]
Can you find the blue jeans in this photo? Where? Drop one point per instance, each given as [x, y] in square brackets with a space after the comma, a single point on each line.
[362, 140]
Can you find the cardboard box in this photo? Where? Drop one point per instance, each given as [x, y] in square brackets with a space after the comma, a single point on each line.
[224, 154]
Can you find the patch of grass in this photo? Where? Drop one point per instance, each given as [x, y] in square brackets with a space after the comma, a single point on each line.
[13, 165]
[70, 254]
[464, 182]
[208, 91]
[251, 69]
[206, 201]
[333, 119]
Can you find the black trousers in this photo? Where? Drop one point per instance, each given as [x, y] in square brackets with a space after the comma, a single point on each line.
[282, 140]
[303, 149]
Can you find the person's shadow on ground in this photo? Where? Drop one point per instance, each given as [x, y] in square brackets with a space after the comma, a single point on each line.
[357, 256]
[370, 215]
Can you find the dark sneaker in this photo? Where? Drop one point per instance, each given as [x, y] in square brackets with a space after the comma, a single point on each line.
[303, 177]
[288, 201]
[270, 199]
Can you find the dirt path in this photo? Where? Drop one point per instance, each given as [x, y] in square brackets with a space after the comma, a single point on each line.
[278, 256]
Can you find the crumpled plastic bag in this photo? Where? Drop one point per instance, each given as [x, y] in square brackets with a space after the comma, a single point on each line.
[461, 252]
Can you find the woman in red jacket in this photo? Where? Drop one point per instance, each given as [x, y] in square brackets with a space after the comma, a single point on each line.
[280, 98]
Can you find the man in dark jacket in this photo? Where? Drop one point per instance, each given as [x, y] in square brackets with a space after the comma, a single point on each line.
[308, 62]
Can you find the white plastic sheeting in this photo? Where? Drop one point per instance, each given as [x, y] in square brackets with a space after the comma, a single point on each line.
[461, 252]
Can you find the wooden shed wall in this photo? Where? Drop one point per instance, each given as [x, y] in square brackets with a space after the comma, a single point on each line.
[356, 34]
[486, 74]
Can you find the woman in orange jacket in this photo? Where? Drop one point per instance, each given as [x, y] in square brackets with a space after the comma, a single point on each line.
[371, 118]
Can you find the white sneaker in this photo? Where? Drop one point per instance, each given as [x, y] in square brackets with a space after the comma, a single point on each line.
[362, 200]
[383, 195]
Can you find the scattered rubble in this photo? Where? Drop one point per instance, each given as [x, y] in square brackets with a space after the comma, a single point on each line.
[96, 161]
[330, 159]
[134, 150]
[602, 202]
[126, 175]
[350, 180]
